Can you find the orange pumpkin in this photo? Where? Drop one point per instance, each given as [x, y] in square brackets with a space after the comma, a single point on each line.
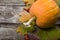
[46, 12]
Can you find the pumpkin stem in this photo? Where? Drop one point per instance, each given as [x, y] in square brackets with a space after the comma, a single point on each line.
[27, 24]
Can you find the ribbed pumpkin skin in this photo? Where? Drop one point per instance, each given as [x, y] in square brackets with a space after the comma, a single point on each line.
[46, 12]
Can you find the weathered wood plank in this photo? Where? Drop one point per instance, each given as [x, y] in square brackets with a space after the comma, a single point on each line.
[11, 2]
[10, 13]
